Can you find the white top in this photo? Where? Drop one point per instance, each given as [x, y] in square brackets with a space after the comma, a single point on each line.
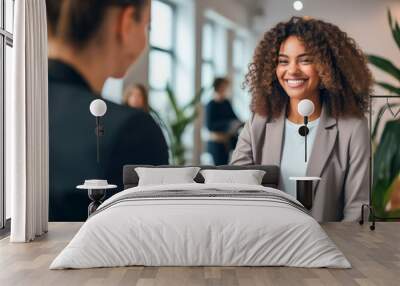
[292, 162]
[305, 178]
[88, 187]
[96, 184]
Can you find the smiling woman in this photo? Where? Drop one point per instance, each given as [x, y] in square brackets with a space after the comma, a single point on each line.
[340, 64]
[298, 76]
[300, 59]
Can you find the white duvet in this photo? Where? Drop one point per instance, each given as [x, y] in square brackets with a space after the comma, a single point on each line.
[204, 231]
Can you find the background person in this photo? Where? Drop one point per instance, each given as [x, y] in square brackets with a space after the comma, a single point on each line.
[315, 60]
[90, 41]
[222, 123]
[137, 96]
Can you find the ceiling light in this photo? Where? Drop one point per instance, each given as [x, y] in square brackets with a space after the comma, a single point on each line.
[298, 5]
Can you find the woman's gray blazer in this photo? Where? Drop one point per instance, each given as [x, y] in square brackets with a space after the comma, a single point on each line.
[340, 156]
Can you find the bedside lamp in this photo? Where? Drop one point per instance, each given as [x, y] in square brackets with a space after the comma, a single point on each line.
[98, 108]
[304, 185]
[305, 109]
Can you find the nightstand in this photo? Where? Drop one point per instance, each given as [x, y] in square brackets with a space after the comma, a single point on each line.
[96, 191]
[304, 190]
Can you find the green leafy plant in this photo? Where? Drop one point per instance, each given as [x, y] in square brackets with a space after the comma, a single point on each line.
[385, 64]
[177, 123]
[387, 154]
[386, 169]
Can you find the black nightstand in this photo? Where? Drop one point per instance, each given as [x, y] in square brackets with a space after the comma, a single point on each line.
[304, 190]
[96, 191]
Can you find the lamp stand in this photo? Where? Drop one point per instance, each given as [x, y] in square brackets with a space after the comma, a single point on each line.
[305, 138]
[99, 132]
[303, 131]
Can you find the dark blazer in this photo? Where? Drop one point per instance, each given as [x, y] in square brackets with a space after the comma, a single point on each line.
[219, 116]
[131, 137]
[340, 156]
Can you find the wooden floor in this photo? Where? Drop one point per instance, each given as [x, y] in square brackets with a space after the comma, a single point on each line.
[375, 256]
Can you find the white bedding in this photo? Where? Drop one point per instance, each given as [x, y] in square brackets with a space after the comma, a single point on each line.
[183, 231]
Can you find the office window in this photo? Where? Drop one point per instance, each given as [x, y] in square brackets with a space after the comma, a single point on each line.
[238, 65]
[238, 52]
[208, 62]
[240, 98]
[9, 15]
[208, 74]
[6, 44]
[162, 59]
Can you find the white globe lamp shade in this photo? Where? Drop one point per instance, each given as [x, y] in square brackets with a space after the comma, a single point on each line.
[305, 107]
[298, 5]
[98, 107]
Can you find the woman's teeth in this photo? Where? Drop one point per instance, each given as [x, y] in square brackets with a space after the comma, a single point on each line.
[295, 82]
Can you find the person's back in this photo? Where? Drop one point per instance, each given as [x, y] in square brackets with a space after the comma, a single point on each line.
[90, 41]
[131, 137]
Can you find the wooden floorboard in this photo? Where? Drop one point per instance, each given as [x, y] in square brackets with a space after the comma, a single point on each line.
[374, 255]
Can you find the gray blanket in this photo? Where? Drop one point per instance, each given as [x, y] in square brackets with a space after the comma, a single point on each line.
[206, 194]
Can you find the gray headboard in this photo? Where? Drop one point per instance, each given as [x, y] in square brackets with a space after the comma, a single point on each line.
[271, 177]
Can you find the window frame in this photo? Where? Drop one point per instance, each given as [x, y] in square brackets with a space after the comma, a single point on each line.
[210, 62]
[240, 94]
[240, 39]
[238, 71]
[6, 39]
[170, 52]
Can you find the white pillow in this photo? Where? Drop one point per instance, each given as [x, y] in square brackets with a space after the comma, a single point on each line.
[164, 176]
[248, 177]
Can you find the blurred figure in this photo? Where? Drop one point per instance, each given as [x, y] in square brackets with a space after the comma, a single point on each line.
[222, 123]
[90, 41]
[136, 96]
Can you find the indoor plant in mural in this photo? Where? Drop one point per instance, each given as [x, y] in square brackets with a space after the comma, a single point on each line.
[177, 123]
[386, 169]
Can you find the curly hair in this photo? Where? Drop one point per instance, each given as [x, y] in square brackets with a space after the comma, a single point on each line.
[346, 81]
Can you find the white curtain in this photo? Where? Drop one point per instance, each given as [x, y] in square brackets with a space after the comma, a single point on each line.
[27, 124]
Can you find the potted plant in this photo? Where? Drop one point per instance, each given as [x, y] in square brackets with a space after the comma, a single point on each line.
[386, 168]
[176, 124]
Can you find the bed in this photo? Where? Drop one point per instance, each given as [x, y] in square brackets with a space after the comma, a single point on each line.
[201, 224]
